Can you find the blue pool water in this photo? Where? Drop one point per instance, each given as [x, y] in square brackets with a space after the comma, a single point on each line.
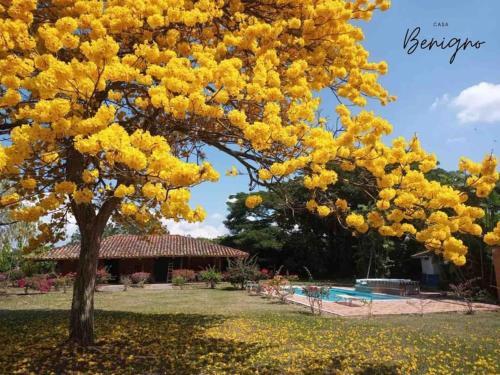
[334, 292]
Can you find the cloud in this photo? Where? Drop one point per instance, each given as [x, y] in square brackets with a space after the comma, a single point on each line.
[196, 229]
[478, 103]
[456, 140]
[440, 101]
[216, 216]
[183, 228]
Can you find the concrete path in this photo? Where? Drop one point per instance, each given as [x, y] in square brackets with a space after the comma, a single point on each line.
[391, 307]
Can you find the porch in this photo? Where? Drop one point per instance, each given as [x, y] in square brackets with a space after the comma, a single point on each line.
[160, 268]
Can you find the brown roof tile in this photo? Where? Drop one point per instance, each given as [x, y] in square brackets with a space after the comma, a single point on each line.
[132, 246]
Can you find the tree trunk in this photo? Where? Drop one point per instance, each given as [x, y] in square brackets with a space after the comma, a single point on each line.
[82, 308]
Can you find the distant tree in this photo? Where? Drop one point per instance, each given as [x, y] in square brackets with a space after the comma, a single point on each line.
[14, 236]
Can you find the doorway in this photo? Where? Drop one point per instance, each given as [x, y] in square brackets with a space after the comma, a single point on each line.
[113, 267]
[160, 270]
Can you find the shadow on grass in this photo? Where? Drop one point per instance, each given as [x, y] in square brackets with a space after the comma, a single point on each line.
[34, 341]
[231, 289]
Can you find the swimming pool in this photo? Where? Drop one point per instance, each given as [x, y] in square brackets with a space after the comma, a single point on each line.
[334, 292]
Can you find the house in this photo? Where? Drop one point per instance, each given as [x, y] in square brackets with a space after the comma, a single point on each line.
[157, 254]
[430, 268]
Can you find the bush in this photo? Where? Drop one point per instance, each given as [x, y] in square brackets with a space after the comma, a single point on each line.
[241, 270]
[179, 281]
[140, 278]
[315, 296]
[32, 268]
[187, 274]
[4, 282]
[103, 276]
[126, 281]
[211, 276]
[279, 286]
[466, 290]
[266, 274]
[15, 275]
[64, 281]
[39, 283]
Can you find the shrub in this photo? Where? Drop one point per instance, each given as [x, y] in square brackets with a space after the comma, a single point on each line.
[241, 270]
[140, 278]
[266, 274]
[211, 276]
[43, 284]
[64, 281]
[466, 290]
[39, 283]
[103, 276]
[15, 275]
[126, 281]
[179, 281]
[315, 296]
[59, 283]
[187, 274]
[4, 282]
[279, 286]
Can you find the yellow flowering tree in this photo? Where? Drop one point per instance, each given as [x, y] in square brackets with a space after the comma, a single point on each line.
[105, 107]
[105, 104]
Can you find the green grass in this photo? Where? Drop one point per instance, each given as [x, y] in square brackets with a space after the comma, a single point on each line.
[227, 331]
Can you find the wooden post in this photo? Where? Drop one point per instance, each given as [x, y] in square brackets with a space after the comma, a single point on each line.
[496, 263]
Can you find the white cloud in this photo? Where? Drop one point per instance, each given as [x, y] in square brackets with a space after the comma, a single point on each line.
[478, 103]
[216, 216]
[456, 140]
[183, 228]
[196, 229]
[440, 101]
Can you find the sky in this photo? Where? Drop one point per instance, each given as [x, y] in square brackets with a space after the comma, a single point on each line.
[454, 108]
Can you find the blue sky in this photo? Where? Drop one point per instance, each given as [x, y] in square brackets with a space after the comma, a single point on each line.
[454, 108]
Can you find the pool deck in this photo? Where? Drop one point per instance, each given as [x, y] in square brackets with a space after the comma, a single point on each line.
[395, 307]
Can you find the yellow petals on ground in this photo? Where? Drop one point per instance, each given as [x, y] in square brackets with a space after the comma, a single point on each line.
[231, 332]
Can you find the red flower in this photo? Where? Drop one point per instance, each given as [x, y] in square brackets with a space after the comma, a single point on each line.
[21, 283]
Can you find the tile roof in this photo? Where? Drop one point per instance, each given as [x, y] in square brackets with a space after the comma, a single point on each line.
[136, 246]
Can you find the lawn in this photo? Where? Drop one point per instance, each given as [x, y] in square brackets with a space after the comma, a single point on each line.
[203, 331]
